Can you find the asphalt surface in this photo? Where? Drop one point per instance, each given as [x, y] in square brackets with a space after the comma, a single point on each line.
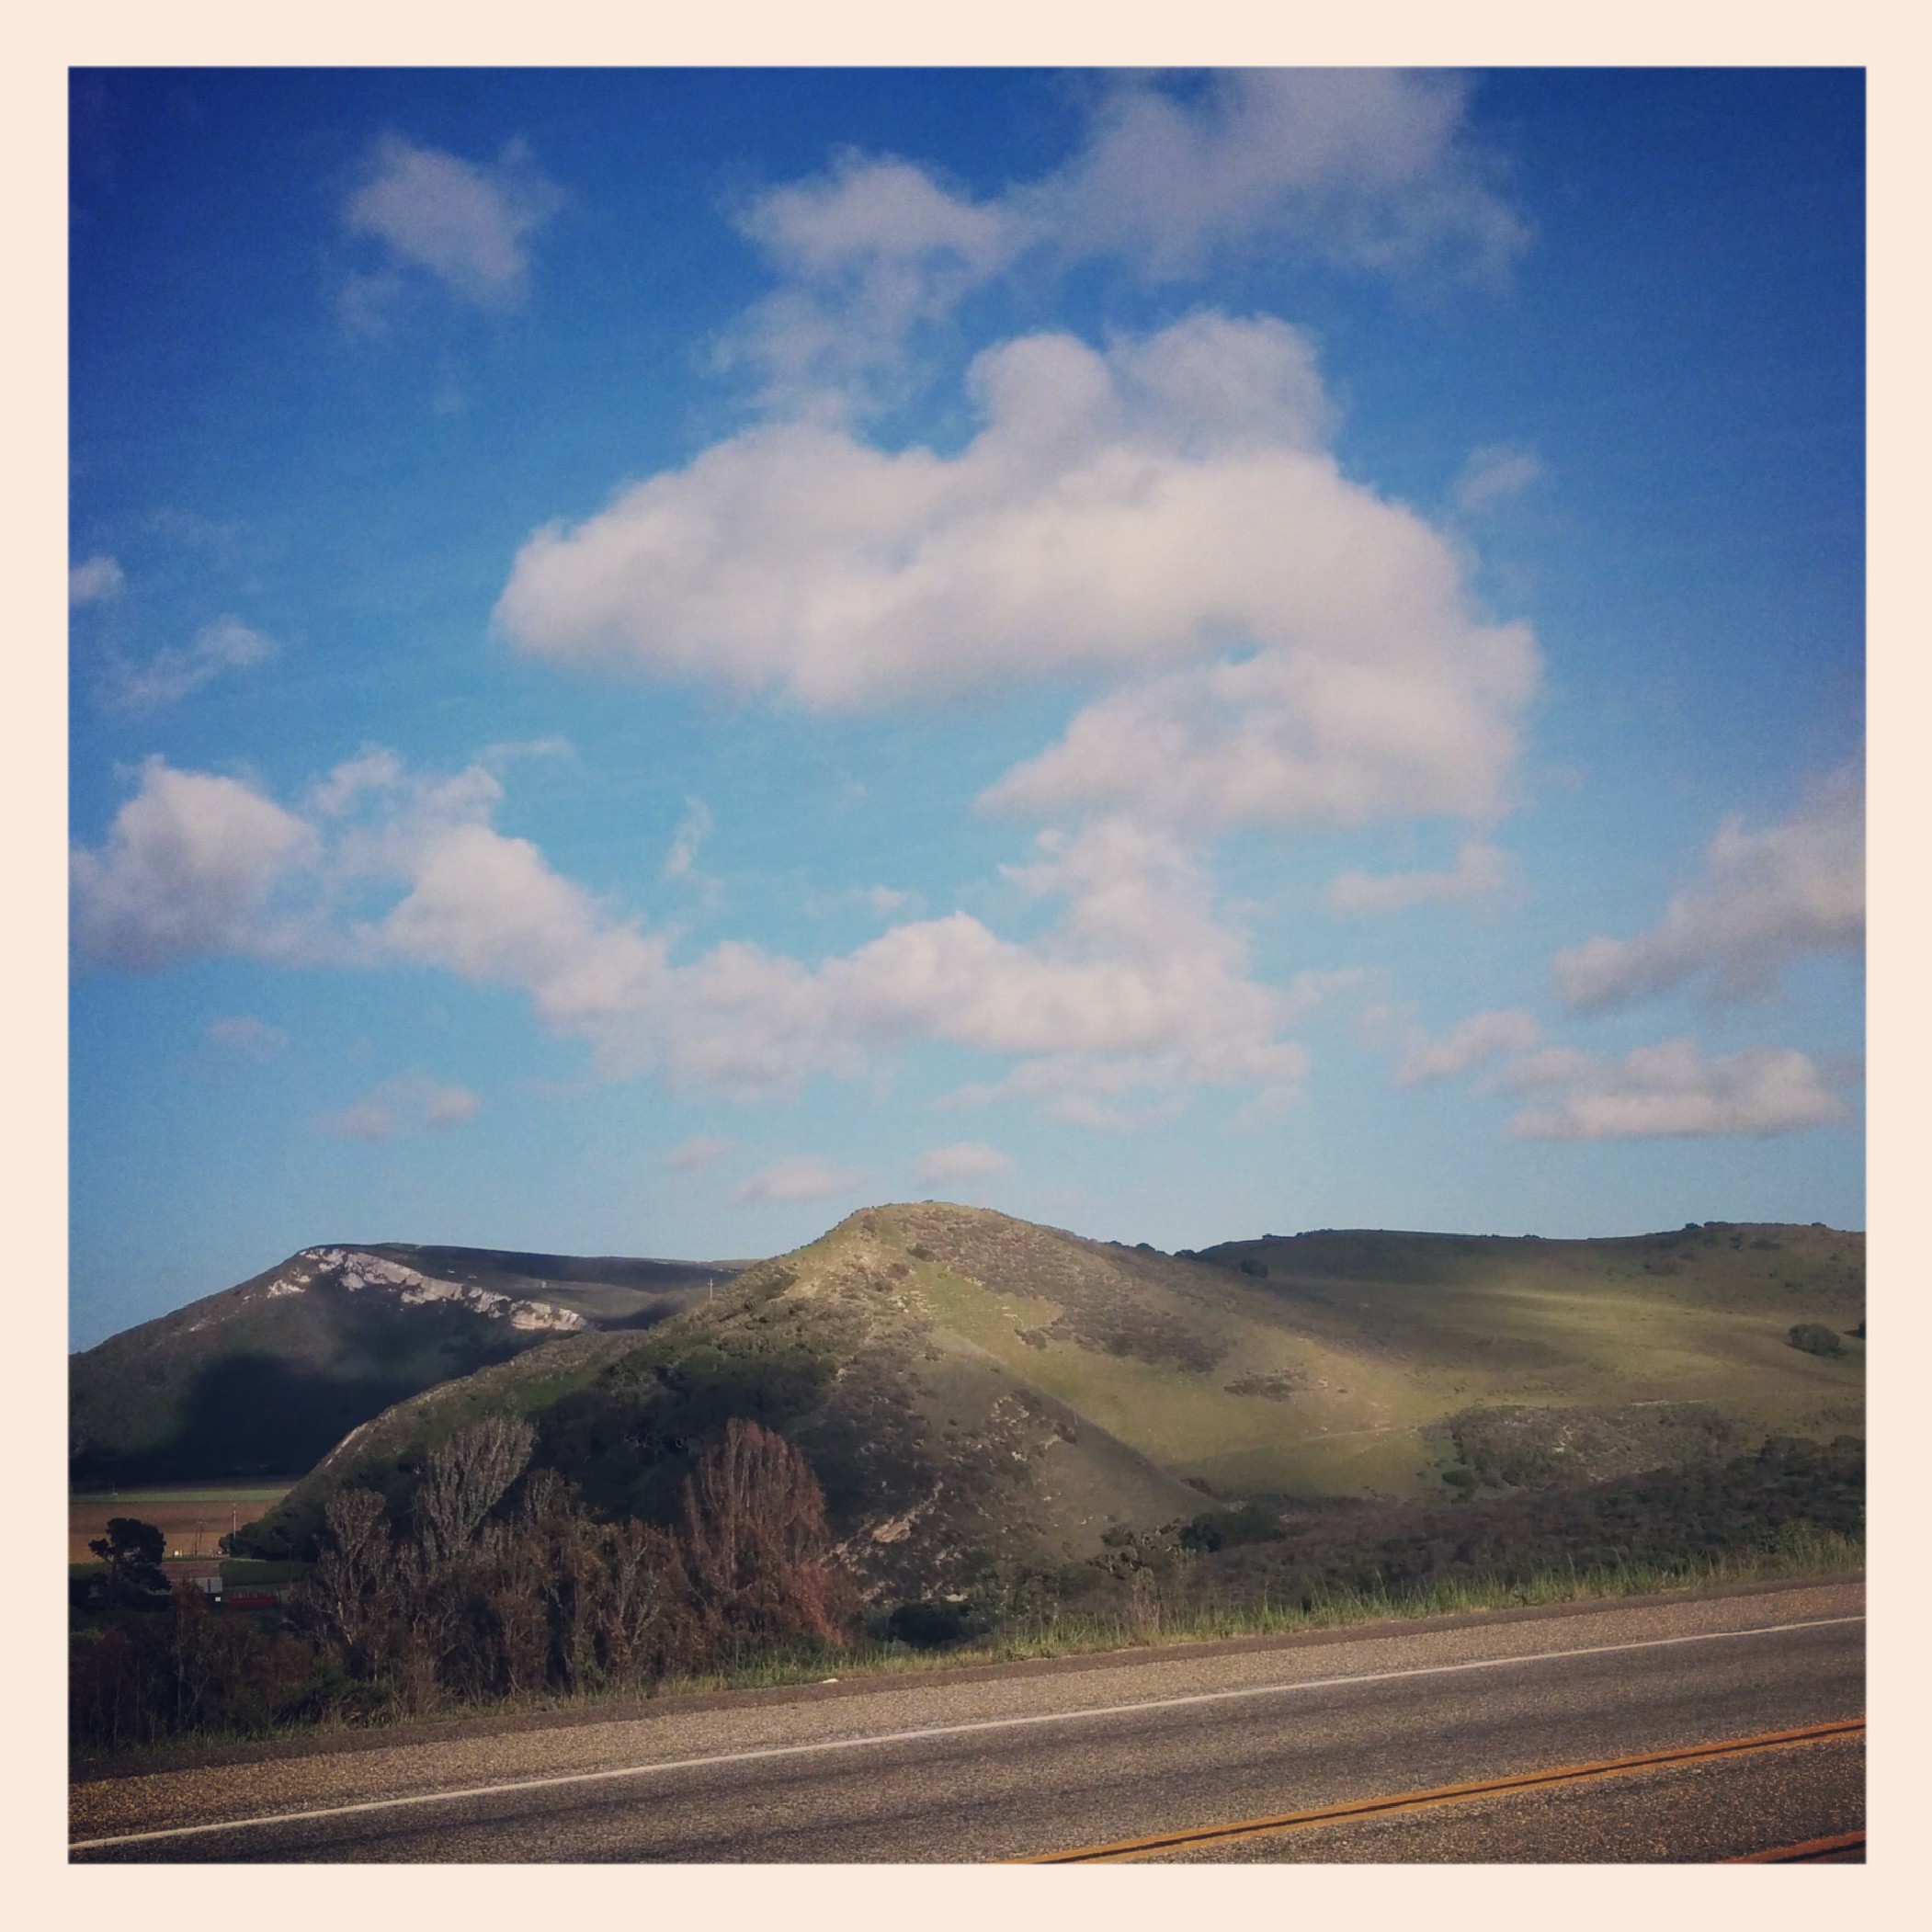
[997, 1766]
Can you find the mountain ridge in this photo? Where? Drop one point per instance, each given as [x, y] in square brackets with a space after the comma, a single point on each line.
[264, 1377]
[973, 1388]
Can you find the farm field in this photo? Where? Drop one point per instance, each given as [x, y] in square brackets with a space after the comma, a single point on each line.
[192, 1517]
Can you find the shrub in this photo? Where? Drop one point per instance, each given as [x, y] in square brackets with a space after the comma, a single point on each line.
[930, 1625]
[1252, 1267]
[1815, 1338]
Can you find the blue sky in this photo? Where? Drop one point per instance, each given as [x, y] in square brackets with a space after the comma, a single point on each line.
[659, 656]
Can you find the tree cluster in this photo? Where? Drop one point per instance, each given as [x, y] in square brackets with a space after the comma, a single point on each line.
[496, 1583]
[500, 1582]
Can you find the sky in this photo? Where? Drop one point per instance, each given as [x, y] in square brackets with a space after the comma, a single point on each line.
[657, 657]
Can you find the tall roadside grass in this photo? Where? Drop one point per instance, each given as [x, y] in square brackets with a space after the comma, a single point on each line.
[1161, 1618]
[1158, 1617]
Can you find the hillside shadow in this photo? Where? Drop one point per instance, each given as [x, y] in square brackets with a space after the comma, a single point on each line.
[250, 1416]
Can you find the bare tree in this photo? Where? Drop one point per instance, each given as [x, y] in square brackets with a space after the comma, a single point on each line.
[755, 1532]
[464, 1480]
[348, 1597]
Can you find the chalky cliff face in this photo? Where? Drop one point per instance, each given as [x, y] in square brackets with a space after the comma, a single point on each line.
[356, 1269]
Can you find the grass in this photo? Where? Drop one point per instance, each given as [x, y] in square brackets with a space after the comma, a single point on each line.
[1798, 1553]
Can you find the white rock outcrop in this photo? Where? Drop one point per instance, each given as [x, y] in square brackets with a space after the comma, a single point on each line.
[356, 1269]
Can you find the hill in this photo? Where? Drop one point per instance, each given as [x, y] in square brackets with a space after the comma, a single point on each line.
[971, 1388]
[266, 1377]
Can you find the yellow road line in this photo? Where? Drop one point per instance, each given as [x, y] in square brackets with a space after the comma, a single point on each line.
[1800, 1854]
[1125, 1849]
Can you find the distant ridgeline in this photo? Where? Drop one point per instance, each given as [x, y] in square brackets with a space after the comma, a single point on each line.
[266, 1378]
[974, 1390]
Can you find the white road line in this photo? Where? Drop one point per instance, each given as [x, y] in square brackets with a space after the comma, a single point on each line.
[931, 1730]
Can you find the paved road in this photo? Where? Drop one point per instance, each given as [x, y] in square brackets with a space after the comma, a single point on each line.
[1032, 1761]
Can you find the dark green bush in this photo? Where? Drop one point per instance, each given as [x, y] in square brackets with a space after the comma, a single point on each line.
[1815, 1338]
[929, 1624]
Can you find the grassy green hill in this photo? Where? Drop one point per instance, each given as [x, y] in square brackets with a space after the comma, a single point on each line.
[972, 1387]
[266, 1377]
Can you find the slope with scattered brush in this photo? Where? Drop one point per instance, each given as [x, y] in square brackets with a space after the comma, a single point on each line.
[971, 1387]
[263, 1378]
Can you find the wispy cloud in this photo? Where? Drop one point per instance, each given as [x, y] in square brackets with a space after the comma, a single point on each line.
[227, 645]
[805, 1178]
[1767, 899]
[413, 1104]
[465, 224]
[1474, 1042]
[251, 1038]
[704, 1150]
[1479, 870]
[94, 581]
[692, 830]
[1669, 1091]
[1493, 473]
[962, 1161]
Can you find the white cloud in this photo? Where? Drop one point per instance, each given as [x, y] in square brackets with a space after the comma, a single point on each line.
[1479, 868]
[254, 1039]
[868, 252]
[1670, 1090]
[1492, 474]
[467, 225]
[704, 1150]
[1767, 898]
[1481, 1037]
[1367, 167]
[1136, 988]
[962, 1161]
[691, 831]
[227, 645]
[1164, 503]
[94, 581]
[376, 770]
[190, 867]
[805, 1178]
[413, 1104]
[1370, 169]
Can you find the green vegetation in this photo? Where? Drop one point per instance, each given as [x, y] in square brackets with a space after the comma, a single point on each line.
[967, 1384]
[499, 1585]
[130, 1553]
[1020, 1437]
[1815, 1338]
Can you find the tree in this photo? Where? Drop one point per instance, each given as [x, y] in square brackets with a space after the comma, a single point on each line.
[463, 1481]
[754, 1534]
[349, 1594]
[133, 1552]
